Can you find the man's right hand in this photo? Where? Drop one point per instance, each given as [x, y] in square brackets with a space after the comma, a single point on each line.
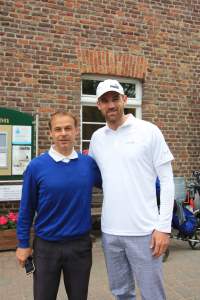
[22, 254]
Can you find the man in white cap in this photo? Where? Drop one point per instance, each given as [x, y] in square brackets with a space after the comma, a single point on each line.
[131, 153]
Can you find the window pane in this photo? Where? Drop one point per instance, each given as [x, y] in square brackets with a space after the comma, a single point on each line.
[89, 87]
[88, 130]
[130, 111]
[92, 114]
[129, 89]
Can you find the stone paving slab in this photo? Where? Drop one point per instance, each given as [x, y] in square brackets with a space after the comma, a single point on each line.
[181, 271]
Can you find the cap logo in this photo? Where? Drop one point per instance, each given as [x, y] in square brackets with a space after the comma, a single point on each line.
[114, 86]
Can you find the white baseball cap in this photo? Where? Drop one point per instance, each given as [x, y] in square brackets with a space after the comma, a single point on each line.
[109, 85]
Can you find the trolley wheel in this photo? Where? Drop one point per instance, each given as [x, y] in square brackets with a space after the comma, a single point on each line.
[193, 244]
[195, 236]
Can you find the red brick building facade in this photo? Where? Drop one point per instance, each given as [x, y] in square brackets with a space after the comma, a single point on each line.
[46, 46]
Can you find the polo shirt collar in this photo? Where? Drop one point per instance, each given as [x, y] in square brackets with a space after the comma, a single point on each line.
[129, 121]
[60, 157]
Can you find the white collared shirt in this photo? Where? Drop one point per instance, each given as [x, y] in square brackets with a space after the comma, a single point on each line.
[60, 157]
[129, 159]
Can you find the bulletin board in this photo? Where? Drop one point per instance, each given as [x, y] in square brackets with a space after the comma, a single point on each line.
[17, 148]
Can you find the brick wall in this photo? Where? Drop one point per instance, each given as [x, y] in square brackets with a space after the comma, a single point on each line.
[47, 45]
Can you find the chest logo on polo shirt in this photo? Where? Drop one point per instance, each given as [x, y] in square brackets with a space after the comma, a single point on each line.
[129, 142]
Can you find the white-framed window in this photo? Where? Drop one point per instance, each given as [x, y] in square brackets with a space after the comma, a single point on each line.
[91, 118]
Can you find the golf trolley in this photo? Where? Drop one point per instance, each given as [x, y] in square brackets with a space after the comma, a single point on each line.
[186, 215]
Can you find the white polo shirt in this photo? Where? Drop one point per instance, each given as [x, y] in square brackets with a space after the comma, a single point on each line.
[128, 158]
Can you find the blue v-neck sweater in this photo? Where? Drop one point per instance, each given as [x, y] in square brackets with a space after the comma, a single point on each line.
[57, 195]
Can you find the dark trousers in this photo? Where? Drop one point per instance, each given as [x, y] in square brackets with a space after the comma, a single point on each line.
[72, 257]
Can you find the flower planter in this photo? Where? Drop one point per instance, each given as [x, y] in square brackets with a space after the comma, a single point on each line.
[8, 223]
[8, 239]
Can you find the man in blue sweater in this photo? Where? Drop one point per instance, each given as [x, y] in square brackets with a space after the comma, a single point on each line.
[56, 194]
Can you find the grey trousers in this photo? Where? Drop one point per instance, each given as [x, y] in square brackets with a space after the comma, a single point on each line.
[73, 258]
[129, 258]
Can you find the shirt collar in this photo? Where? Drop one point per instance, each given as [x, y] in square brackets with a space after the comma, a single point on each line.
[129, 121]
[60, 157]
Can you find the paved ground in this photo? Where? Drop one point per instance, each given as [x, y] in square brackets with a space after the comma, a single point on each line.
[182, 276]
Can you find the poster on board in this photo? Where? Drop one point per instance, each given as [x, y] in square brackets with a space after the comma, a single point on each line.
[21, 157]
[21, 135]
[3, 150]
[10, 192]
[3, 159]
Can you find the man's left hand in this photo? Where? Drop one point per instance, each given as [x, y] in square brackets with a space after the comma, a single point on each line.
[159, 242]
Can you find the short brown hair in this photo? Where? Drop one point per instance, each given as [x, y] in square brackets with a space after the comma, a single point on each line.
[63, 113]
